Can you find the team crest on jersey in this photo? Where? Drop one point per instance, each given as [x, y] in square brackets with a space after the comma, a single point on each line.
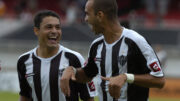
[122, 60]
[91, 86]
[61, 71]
[155, 67]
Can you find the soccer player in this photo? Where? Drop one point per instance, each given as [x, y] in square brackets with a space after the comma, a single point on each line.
[40, 69]
[127, 64]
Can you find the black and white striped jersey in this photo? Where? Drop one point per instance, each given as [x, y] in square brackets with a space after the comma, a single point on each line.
[39, 78]
[130, 54]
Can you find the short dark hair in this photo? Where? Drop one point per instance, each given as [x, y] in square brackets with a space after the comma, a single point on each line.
[39, 16]
[109, 7]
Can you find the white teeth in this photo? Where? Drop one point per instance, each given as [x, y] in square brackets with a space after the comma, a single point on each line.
[53, 37]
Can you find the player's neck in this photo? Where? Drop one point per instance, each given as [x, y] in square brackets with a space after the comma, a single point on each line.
[46, 52]
[113, 32]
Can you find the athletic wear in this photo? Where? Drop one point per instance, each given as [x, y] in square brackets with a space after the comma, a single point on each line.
[130, 54]
[40, 77]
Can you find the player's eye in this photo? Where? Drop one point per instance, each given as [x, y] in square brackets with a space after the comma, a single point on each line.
[58, 27]
[48, 27]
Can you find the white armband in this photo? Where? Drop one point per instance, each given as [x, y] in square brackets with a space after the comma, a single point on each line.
[130, 77]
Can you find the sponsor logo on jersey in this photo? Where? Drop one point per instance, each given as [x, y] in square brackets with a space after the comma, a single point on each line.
[28, 75]
[97, 59]
[155, 67]
[91, 86]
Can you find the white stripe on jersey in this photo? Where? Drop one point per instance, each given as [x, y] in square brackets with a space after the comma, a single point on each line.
[45, 82]
[29, 70]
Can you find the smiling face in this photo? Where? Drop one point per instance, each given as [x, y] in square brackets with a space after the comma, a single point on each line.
[49, 32]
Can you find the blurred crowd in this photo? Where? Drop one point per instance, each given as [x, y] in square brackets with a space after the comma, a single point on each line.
[72, 11]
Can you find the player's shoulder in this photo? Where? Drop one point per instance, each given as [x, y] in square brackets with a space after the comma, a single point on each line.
[133, 36]
[70, 51]
[26, 54]
[98, 40]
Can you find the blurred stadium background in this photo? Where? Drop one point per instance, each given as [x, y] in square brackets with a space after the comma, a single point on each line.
[156, 20]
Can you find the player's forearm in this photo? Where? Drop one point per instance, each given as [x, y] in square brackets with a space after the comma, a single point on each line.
[81, 76]
[147, 80]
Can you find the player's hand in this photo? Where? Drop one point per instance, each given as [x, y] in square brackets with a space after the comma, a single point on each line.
[115, 84]
[64, 81]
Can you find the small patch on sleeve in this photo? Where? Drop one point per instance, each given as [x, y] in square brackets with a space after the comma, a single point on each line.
[91, 86]
[155, 67]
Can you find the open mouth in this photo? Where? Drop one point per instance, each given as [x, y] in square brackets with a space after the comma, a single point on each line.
[52, 39]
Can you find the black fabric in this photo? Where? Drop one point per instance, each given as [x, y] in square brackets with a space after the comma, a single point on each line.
[77, 89]
[54, 68]
[91, 68]
[103, 72]
[115, 54]
[37, 77]
[137, 64]
[21, 69]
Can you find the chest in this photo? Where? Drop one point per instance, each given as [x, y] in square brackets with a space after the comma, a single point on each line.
[43, 72]
[111, 60]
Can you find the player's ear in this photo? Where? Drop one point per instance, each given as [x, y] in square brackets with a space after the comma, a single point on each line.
[100, 16]
[36, 31]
